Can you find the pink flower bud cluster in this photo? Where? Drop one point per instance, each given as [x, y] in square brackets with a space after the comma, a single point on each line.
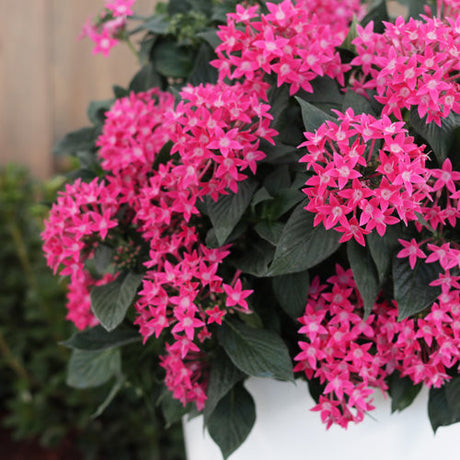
[106, 30]
[294, 41]
[350, 355]
[413, 64]
[368, 173]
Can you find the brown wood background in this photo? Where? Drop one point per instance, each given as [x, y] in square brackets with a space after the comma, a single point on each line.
[48, 77]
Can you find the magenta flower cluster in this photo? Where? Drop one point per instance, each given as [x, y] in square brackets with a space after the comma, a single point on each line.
[109, 26]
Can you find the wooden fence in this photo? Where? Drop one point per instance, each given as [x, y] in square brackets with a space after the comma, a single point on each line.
[47, 77]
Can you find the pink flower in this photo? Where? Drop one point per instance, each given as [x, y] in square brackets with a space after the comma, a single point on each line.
[411, 250]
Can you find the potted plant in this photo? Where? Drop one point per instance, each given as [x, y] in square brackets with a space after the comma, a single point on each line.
[275, 195]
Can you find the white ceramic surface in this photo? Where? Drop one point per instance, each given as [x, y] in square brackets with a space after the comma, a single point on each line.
[285, 429]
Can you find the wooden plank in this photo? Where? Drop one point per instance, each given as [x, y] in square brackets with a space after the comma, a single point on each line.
[25, 95]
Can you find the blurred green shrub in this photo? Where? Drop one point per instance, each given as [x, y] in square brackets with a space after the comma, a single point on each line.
[35, 402]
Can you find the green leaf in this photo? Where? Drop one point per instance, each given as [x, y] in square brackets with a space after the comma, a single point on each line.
[402, 391]
[352, 34]
[302, 246]
[210, 36]
[378, 14]
[222, 378]
[277, 180]
[171, 60]
[227, 211]
[358, 103]
[441, 138]
[365, 274]
[117, 386]
[257, 352]
[232, 420]
[178, 6]
[269, 231]
[411, 287]
[119, 91]
[77, 141]
[157, 24]
[441, 413]
[172, 408]
[145, 79]
[291, 291]
[202, 71]
[93, 368]
[326, 95]
[383, 249]
[453, 394]
[256, 259]
[97, 110]
[97, 338]
[102, 258]
[312, 117]
[111, 301]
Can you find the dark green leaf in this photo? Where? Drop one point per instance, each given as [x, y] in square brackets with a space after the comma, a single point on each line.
[227, 211]
[178, 6]
[269, 231]
[358, 103]
[145, 79]
[378, 14]
[383, 249]
[157, 24]
[278, 179]
[172, 408]
[222, 378]
[402, 391]
[440, 138]
[119, 91]
[416, 8]
[97, 110]
[232, 420]
[326, 94]
[441, 413]
[102, 258]
[210, 36]
[365, 274]
[93, 368]
[312, 117]
[256, 259]
[97, 338]
[111, 301]
[172, 60]
[302, 246]
[291, 291]
[77, 141]
[257, 352]
[411, 287]
[117, 386]
[453, 395]
[202, 71]
[352, 34]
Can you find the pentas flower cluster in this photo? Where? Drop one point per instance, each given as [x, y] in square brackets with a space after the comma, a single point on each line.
[82, 216]
[216, 130]
[350, 355]
[413, 64]
[368, 173]
[106, 31]
[217, 135]
[293, 41]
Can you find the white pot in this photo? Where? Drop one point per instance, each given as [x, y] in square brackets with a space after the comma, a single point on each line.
[286, 429]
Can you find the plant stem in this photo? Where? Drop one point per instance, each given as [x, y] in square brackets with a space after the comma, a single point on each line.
[133, 49]
[12, 361]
